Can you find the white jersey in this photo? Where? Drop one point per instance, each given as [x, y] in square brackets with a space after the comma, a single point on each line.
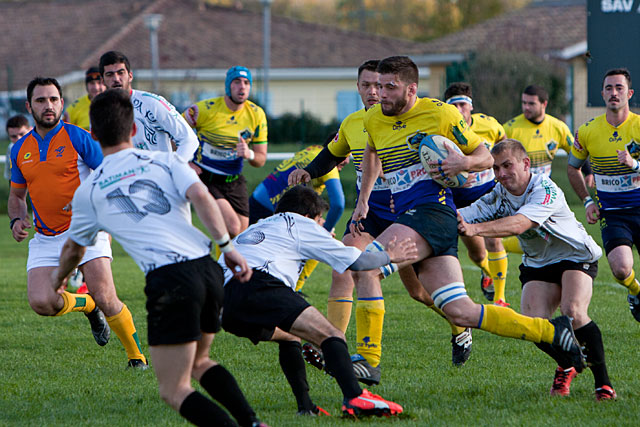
[559, 236]
[280, 244]
[159, 124]
[139, 197]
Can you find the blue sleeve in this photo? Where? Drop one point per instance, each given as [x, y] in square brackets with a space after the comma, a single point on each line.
[87, 147]
[16, 173]
[336, 203]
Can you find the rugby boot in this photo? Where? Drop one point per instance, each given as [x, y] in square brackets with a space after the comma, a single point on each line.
[461, 347]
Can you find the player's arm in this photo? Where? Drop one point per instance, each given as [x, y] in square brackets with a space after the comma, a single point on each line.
[70, 257]
[394, 251]
[577, 181]
[207, 210]
[321, 165]
[502, 227]
[336, 203]
[371, 168]
[17, 210]
[178, 129]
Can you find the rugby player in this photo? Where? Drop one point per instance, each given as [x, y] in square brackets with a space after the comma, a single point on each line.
[16, 127]
[426, 212]
[613, 142]
[560, 258]
[49, 163]
[78, 112]
[494, 262]
[133, 195]
[226, 126]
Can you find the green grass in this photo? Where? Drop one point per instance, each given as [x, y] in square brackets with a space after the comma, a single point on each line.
[53, 373]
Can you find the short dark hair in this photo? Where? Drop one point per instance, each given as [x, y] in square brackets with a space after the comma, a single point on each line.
[111, 116]
[539, 91]
[370, 65]
[618, 72]
[113, 57]
[42, 81]
[17, 121]
[458, 88]
[513, 146]
[302, 200]
[403, 66]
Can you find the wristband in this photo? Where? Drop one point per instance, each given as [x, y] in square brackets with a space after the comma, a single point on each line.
[587, 201]
[13, 221]
[252, 155]
[224, 243]
[636, 165]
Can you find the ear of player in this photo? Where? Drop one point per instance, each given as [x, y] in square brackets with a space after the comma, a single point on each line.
[433, 148]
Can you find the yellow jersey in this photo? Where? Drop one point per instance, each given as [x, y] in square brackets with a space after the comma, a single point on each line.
[490, 131]
[617, 185]
[78, 112]
[541, 141]
[218, 129]
[397, 139]
[352, 139]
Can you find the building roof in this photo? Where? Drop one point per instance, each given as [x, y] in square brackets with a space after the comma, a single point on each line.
[545, 28]
[58, 37]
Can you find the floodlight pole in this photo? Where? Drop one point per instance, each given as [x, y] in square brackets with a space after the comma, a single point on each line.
[152, 22]
[266, 52]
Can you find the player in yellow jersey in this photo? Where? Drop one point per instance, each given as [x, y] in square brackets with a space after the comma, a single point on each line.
[427, 215]
[352, 139]
[493, 262]
[78, 112]
[613, 142]
[226, 126]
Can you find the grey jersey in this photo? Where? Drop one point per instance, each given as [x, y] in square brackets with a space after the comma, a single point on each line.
[557, 237]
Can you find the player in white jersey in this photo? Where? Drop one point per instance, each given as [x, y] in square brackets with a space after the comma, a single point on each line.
[160, 126]
[134, 194]
[560, 259]
[267, 308]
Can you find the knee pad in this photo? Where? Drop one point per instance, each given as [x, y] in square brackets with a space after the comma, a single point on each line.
[448, 293]
[388, 269]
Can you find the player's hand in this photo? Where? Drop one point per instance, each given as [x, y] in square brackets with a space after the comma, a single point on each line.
[359, 213]
[590, 181]
[195, 167]
[20, 228]
[464, 228]
[625, 158]
[593, 213]
[238, 265]
[299, 176]
[243, 150]
[405, 250]
[451, 166]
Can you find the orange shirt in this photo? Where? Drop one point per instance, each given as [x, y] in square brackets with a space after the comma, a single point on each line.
[51, 168]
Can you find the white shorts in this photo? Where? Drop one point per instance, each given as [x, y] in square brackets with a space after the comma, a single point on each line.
[44, 251]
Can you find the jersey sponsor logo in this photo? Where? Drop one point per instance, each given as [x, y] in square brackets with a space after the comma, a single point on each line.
[537, 134]
[218, 153]
[615, 137]
[405, 178]
[550, 194]
[399, 125]
[577, 145]
[617, 183]
[59, 151]
[634, 149]
[129, 173]
[27, 155]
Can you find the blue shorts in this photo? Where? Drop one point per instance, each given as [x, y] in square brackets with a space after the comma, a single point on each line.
[619, 228]
[463, 197]
[437, 224]
[373, 224]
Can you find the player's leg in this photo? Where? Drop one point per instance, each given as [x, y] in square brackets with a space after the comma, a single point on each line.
[97, 273]
[480, 257]
[577, 289]
[621, 262]
[498, 264]
[308, 268]
[340, 301]
[231, 219]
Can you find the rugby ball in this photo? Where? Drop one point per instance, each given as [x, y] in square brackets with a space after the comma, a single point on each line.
[433, 149]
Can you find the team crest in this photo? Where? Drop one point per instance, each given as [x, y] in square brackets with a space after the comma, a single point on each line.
[551, 148]
[634, 149]
[413, 141]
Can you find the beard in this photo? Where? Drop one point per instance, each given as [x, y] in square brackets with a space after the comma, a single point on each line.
[395, 108]
[236, 101]
[46, 123]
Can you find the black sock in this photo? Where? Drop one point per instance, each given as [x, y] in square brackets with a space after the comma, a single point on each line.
[222, 386]
[201, 411]
[560, 360]
[590, 337]
[338, 362]
[293, 366]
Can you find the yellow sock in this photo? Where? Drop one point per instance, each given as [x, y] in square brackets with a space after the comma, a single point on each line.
[369, 320]
[505, 322]
[309, 266]
[484, 265]
[498, 264]
[512, 245]
[455, 330]
[216, 251]
[339, 312]
[630, 283]
[76, 302]
[122, 325]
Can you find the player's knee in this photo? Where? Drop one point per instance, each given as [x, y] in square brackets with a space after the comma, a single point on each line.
[332, 332]
[476, 254]
[42, 306]
[621, 270]
[574, 310]
[452, 299]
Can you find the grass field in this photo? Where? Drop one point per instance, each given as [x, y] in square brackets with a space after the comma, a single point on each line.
[53, 373]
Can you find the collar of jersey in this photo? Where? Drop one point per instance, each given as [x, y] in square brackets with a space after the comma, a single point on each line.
[43, 143]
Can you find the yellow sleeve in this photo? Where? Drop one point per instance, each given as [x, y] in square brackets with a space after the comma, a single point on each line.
[566, 141]
[339, 147]
[260, 133]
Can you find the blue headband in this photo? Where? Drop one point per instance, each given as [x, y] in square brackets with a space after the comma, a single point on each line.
[234, 73]
[459, 98]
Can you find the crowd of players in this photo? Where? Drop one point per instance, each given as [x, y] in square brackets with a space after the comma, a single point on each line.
[153, 163]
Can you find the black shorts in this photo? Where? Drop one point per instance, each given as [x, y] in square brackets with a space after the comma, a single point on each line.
[232, 188]
[437, 224]
[254, 309]
[620, 228]
[373, 224]
[257, 211]
[184, 299]
[552, 273]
